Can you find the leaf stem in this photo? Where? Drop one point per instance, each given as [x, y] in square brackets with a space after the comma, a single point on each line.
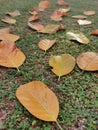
[59, 125]
[59, 78]
[18, 69]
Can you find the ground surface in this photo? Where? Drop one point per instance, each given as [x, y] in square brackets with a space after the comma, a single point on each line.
[77, 92]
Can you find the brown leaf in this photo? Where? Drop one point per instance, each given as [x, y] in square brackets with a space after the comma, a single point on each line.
[63, 3]
[62, 64]
[33, 18]
[10, 55]
[5, 30]
[56, 16]
[46, 44]
[95, 32]
[9, 20]
[43, 5]
[37, 27]
[39, 100]
[88, 61]
[64, 11]
[33, 13]
[88, 13]
[79, 17]
[14, 14]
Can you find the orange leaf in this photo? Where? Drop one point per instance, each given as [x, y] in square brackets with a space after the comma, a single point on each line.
[95, 32]
[46, 44]
[63, 3]
[14, 14]
[5, 30]
[39, 100]
[9, 20]
[88, 61]
[36, 27]
[10, 55]
[44, 4]
[56, 16]
[33, 18]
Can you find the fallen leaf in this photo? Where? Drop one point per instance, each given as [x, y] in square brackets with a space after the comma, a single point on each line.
[46, 44]
[63, 3]
[88, 13]
[9, 37]
[62, 64]
[56, 16]
[14, 14]
[80, 37]
[33, 18]
[52, 28]
[43, 5]
[64, 10]
[95, 32]
[39, 100]
[79, 16]
[33, 13]
[36, 26]
[10, 55]
[84, 22]
[88, 61]
[9, 20]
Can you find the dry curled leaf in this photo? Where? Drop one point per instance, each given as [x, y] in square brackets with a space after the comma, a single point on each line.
[62, 64]
[88, 13]
[80, 37]
[39, 100]
[33, 18]
[56, 16]
[52, 28]
[79, 16]
[37, 27]
[14, 14]
[64, 10]
[46, 44]
[88, 61]
[10, 55]
[95, 32]
[63, 3]
[9, 20]
[84, 22]
[33, 12]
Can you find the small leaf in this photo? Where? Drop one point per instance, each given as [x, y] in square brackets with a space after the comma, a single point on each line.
[88, 13]
[10, 55]
[64, 10]
[79, 16]
[37, 27]
[63, 3]
[9, 20]
[56, 16]
[14, 14]
[80, 37]
[62, 64]
[46, 44]
[33, 13]
[33, 18]
[39, 100]
[95, 32]
[44, 4]
[84, 22]
[88, 61]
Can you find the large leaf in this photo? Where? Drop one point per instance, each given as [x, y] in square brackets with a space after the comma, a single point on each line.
[62, 64]
[46, 44]
[84, 22]
[80, 37]
[88, 13]
[88, 61]
[39, 100]
[95, 32]
[9, 20]
[10, 55]
[14, 14]
[5, 30]
[63, 3]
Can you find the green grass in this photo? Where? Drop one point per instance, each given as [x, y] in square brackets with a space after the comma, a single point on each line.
[77, 92]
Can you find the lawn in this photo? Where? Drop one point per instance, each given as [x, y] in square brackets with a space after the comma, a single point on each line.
[77, 92]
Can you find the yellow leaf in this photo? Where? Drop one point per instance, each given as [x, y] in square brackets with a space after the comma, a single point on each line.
[62, 64]
[9, 20]
[39, 100]
[84, 22]
[46, 44]
[10, 55]
[80, 37]
[88, 61]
